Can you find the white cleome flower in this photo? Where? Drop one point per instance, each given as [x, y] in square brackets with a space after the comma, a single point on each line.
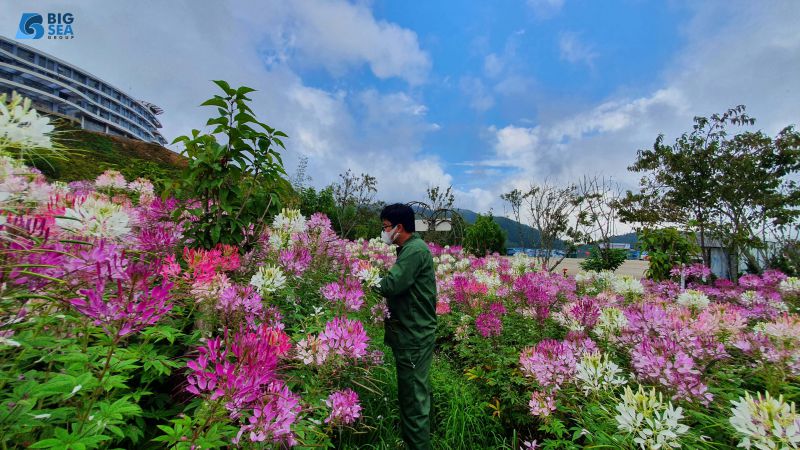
[583, 277]
[693, 299]
[790, 286]
[570, 323]
[290, 220]
[370, 277]
[610, 323]
[463, 264]
[520, 263]
[268, 278]
[627, 286]
[595, 372]
[766, 423]
[491, 280]
[9, 342]
[654, 425]
[21, 126]
[443, 269]
[750, 297]
[96, 218]
[492, 264]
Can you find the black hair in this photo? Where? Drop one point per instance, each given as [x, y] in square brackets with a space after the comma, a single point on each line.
[399, 213]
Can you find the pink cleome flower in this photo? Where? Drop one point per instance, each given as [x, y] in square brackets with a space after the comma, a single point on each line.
[349, 292]
[345, 337]
[345, 407]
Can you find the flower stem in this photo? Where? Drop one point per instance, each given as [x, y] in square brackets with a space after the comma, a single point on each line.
[99, 389]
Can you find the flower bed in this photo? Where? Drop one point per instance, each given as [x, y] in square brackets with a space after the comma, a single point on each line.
[117, 332]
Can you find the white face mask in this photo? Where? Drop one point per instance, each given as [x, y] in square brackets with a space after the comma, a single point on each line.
[388, 237]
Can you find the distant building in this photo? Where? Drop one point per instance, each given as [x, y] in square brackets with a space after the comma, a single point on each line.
[723, 263]
[59, 88]
[615, 245]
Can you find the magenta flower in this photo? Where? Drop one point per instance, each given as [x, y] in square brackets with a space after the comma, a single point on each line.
[295, 260]
[497, 309]
[699, 271]
[345, 337]
[442, 306]
[585, 311]
[488, 324]
[345, 407]
[466, 288]
[662, 361]
[159, 238]
[319, 221]
[380, 312]
[349, 292]
[273, 415]
[242, 299]
[135, 303]
[170, 269]
[240, 372]
[550, 363]
[204, 264]
[540, 291]
[542, 404]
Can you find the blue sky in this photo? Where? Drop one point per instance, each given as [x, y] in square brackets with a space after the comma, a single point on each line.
[560, 56]
[486, 96]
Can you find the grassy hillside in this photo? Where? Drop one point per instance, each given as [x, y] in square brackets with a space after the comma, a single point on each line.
[89, 154]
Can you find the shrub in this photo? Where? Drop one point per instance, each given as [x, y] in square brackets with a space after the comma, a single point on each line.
[667, 248]
[236, 183]
[604, 259]
[485, 236]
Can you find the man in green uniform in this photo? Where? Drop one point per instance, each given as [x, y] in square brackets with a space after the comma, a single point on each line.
[410, 291]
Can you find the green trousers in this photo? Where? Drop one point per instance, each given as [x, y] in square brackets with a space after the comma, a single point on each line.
[414, 395]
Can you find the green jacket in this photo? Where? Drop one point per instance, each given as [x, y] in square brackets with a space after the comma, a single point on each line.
[410, 291]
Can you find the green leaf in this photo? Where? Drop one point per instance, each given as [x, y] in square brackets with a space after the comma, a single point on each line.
[244, 90]
[215, 101]
[225, 87]
[47, 443]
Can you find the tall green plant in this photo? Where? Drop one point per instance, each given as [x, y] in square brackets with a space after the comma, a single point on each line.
[604, 259]
[485, 236]
[237, 182]
[667, 248]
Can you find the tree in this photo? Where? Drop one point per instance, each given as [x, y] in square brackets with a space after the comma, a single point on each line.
[237, 183]
[354, 197]
[311, 201]
[754, 195]
[485, 236]
[437, 211]
[600, 198]
[736, 189]
[514, 199]
[666, 248]
[559, 214]
[300, 177]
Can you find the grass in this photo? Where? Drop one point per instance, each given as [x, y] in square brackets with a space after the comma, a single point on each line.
[460, 418]
[88, 154]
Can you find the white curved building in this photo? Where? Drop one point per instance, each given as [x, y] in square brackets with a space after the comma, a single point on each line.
[57, 87]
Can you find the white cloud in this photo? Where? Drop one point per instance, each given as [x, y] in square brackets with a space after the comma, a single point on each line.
[493, 65]
[545, 9]
[513, 142]
[744, 60]
[480, 98]
[572, 49]
[167, 53]
[337, 34]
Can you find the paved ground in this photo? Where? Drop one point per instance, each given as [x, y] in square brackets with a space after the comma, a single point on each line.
[630, 267]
